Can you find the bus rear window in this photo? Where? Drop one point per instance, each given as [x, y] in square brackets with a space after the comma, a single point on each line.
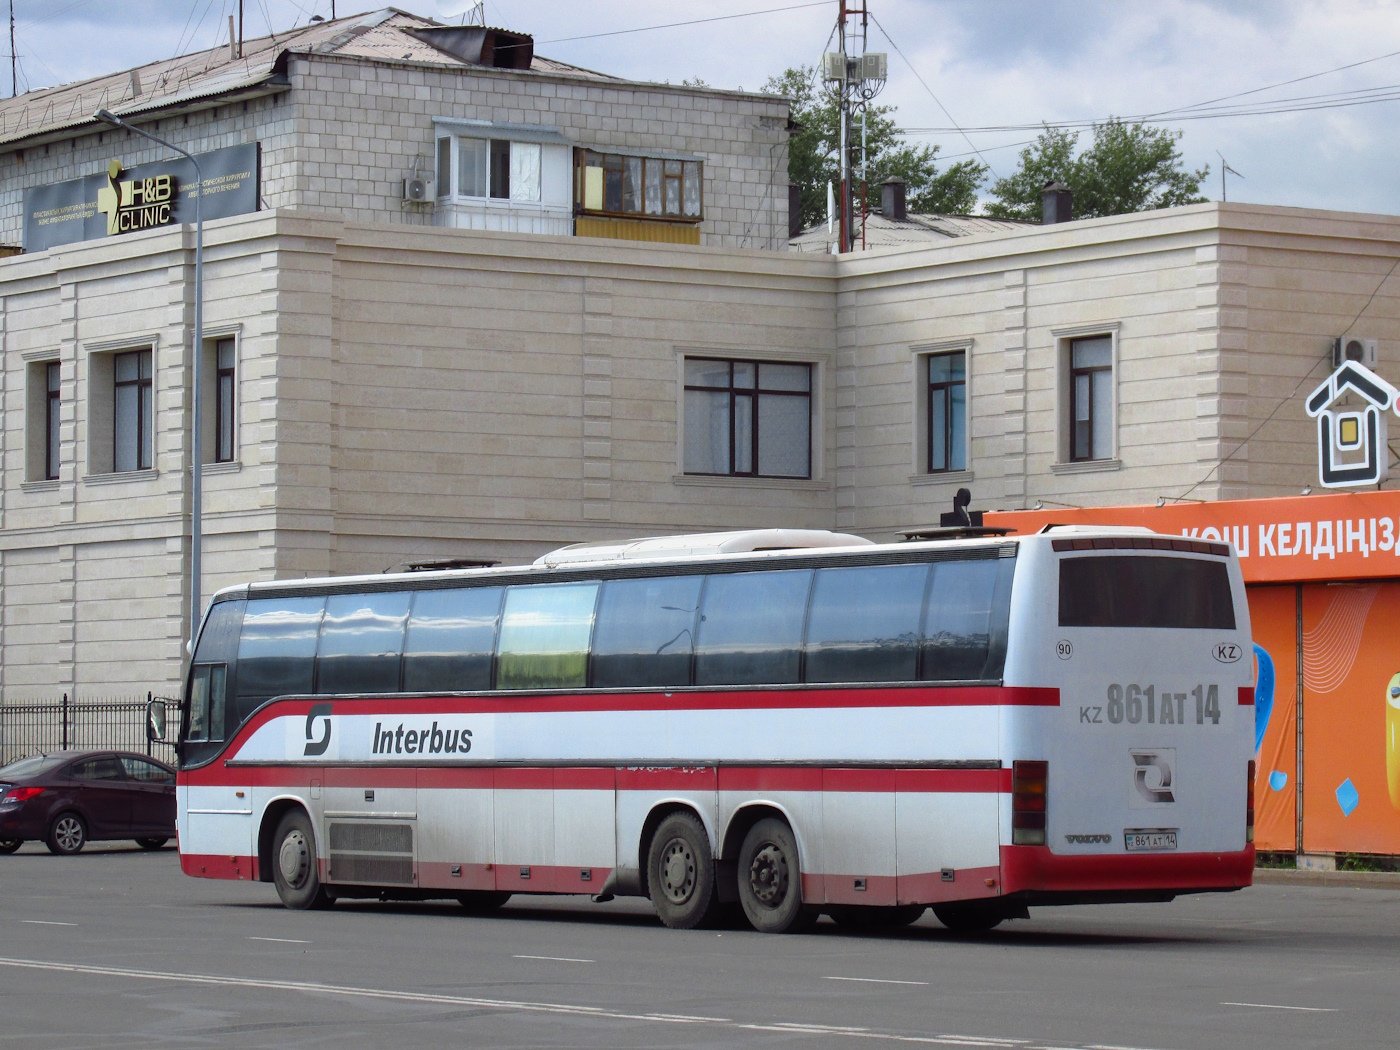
[1131, 591]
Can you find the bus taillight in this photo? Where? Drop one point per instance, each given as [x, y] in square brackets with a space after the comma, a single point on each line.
[1028, 802]
[1249, 806]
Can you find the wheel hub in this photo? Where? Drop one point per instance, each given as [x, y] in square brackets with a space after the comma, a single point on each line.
[768, 875]
[69, 833]
[293, 859]
[677, 871]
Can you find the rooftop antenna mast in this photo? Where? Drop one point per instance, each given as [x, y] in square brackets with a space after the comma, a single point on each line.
[14, 80]
[854, 81]
[1224, 167]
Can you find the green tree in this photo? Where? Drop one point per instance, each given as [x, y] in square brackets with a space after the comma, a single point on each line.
[1129, 167]
[814, 154]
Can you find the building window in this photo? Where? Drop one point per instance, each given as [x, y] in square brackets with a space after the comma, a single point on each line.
[748, 418]
[947, 412]
[52, 404]
[131, 411]
[444, 167]
[225, 404]
[496, 168]
[647, 187]
[1091, 398]
[43, 408]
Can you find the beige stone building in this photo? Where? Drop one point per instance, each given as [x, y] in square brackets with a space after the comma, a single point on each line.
[405, 394]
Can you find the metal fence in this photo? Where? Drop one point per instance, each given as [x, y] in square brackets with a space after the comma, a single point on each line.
[69, 725]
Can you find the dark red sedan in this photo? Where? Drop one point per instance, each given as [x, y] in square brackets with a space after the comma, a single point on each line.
[70, 798]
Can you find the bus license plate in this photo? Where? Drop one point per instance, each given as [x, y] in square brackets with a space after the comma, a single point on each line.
[1147, 840]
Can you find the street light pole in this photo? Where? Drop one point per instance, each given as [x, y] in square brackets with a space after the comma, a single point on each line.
[197, 442]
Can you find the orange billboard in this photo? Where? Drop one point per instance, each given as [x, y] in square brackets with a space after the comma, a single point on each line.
[1343, 536]
[1273, 616]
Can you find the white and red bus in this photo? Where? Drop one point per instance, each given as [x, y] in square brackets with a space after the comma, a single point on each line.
[791, 722]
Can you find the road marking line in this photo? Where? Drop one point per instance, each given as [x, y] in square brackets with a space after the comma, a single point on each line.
[1275, 1006]
[45, 922]
[512, 1005]
[874, 980]
[553, 958]
[279, 940]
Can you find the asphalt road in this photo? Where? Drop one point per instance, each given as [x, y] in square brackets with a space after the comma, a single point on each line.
[115, 948]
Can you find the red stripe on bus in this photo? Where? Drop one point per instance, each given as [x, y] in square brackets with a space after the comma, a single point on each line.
[750, 779]
[1246, 696]
[1036, 868]
[395, 708]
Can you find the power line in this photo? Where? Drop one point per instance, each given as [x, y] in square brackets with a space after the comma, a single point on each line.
[935, 98]
[692, 22]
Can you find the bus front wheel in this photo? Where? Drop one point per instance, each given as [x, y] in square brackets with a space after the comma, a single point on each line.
[770, 879]
[681, 873]
[294, 868]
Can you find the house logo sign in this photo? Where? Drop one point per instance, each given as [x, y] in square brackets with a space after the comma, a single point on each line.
[1351, 442]
[136, 204]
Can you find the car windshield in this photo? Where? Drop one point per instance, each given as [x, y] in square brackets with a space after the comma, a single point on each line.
[31, 766]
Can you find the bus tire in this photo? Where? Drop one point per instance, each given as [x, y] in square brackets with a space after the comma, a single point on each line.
[681, 872]
[970, 916]
[770, 879]
[295, 871]
[479, 902]
[867, 917]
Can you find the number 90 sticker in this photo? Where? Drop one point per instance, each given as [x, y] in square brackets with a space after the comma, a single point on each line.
[1063, 649]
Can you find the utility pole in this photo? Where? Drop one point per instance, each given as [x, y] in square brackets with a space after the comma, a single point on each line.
[855, 81]
[240, 28]
[1224, 167]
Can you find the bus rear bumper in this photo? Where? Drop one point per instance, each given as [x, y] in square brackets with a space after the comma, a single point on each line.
[1034, 871]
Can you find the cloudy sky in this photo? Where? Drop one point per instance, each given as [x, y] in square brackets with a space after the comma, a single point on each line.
[994, 65]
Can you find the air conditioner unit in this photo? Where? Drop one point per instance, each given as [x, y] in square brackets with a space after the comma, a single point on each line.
[418, 189]
[833, 66]
[874, 65]
[1354, 348]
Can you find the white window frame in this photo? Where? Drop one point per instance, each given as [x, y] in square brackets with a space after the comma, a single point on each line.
[99, 400]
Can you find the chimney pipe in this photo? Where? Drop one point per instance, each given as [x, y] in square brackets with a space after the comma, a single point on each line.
[892, 198]
[1056, 204]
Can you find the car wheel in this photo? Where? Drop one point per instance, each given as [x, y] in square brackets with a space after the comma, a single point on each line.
[970, 916]
[151, 843]
[770, 879]
[67, 834]
[681, 872]
[479, 902]
[295, 871]
[10, 845]
[866, 917]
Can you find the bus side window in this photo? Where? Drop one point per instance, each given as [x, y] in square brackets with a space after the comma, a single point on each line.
[207, 694]
[864, 624]
[645, 632]
[545, 630]
[958, 620]
[751, 628]
[450, 640]
[361, 643]
[276, 652]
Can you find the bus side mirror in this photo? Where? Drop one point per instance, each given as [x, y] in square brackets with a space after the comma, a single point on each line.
[156, 721]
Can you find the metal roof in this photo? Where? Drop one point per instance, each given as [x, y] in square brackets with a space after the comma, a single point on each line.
[916, 229]
[215, 76]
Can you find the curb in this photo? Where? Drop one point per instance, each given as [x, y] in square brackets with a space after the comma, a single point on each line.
[1376, 880]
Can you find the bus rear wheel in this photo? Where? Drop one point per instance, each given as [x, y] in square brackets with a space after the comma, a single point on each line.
[681, 873]
[970, 916]
[294, 868]
[479, 902]
[770, 879]
[866, 917]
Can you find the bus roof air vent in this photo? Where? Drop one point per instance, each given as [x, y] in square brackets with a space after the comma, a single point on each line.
[746, 541]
